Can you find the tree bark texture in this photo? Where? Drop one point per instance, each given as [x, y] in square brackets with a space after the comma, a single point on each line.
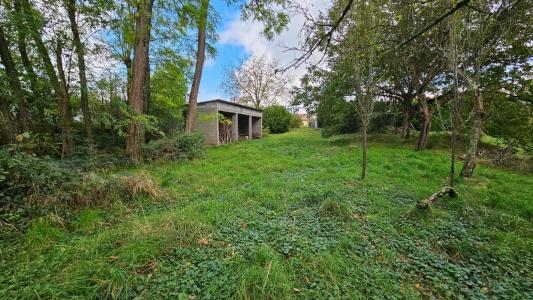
[200, 57]
[407, 115]
[471, 153]
[425, 125]
[66, 108]
[14, 83]
[146, 88]
[7, 124]
[143, 26]
[129, 66]
[84, 90]
[365, 148]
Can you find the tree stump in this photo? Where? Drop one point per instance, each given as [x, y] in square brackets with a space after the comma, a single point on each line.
[433, 198]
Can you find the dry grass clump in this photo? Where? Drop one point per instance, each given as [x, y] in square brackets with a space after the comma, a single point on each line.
[103, 191]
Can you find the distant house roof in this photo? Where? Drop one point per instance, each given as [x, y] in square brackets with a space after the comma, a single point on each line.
[229, 103]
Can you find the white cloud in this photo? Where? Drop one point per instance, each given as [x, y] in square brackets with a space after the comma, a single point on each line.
[248, 35]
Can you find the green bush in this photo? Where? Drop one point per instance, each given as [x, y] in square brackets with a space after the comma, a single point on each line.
[337, 116]
[276, 118]
[176, 147]
[296, 121]
[510, 121]
[24, 174]
[383, 117]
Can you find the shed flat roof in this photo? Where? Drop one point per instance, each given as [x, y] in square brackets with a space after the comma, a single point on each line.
[229, 103]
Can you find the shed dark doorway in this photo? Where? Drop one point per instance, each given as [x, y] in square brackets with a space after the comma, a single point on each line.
[244, 127]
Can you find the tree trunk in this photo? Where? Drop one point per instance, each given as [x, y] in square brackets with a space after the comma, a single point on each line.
[405, 130]
[365, 140]
[455, 103]
[60, 92]
[36, 97]
[470, 160]
[425, 125]
[143, 26]
[14, 83]
[66, 108]
[200, 57]
[146, 87]
[84, 90]
[129, 66]
[7, 125]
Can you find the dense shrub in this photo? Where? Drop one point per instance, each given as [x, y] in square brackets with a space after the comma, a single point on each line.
[337, 116]
[296, 121]
[176, 147]
[342, 117]
[383, 117]
[31, 186]
[25, 174]
[510, 121]
[276, 118]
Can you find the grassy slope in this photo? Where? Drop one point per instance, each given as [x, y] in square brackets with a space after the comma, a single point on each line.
[285, 217]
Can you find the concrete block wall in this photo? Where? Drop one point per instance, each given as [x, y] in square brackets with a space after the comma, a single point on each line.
[208, 127]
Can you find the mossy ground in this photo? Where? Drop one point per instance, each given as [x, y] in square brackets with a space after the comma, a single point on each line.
[287, 217]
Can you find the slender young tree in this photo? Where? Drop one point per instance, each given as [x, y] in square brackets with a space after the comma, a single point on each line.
[454, 118]
[84, 90]
[60, 91]
[363, 58]
[200, 57]
[143, 24]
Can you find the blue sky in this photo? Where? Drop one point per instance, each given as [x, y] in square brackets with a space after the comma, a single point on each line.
[238, 40]
[227, 54]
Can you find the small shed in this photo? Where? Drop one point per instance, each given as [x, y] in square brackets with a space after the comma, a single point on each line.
[239, 122]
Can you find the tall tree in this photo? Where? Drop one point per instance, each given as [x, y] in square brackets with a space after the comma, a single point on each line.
[66, 107]
[143, 25]
[200, 57]
[36, 23]
[37, 96]
[257, 82]
[14, 82]
[84, 90]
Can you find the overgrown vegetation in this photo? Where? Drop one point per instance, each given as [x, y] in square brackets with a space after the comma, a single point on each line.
[289, 221]
[175, 147]
[32, 186]
[296, 121]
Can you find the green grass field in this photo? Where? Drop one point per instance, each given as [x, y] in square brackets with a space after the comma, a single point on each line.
[287, 217]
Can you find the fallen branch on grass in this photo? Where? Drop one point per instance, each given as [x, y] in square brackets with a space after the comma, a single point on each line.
[445, 190]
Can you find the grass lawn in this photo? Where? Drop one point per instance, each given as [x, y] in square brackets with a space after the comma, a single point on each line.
[287, 217]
